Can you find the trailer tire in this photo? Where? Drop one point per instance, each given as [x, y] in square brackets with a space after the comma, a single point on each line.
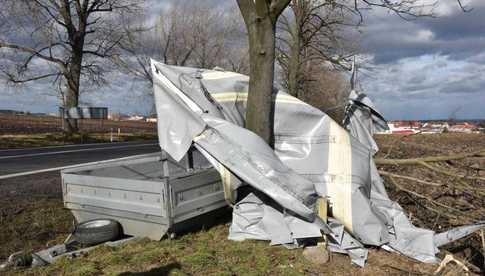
[97, 231]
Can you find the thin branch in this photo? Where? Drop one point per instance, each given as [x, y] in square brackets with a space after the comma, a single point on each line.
[12, 79]
[434, 168]
[394, 182]
[410, 178]
[462, 7]
[32, 51]
[415, 161]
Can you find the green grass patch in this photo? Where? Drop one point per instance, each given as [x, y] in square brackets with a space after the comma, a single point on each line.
[203, 253]
[33, 226]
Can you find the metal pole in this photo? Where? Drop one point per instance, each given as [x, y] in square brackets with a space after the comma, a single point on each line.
[164, 159]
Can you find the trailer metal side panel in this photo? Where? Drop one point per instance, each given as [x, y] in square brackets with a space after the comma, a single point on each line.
[196, 194]
[147, 202]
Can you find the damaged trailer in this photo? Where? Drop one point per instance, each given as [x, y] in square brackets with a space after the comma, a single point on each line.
[149, 195]
[318, 180]
[314, 162]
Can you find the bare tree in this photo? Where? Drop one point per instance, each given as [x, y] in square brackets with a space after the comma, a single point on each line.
[312, 34]
[73, 36]
[325, 88]
[169, 40]
[219, 39]
[186, 35]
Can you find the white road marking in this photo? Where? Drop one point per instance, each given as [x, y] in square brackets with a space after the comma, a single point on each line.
[72, 151]
[71, 166]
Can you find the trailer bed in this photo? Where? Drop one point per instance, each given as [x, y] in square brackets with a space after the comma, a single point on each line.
[149, 195]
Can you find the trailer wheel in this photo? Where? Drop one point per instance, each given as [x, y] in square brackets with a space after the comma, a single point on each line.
[97, 231]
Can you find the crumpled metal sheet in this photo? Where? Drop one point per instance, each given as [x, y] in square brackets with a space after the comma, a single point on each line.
[254, 218]
[362, 119]
[313, 157]
[246, 155]
[180, 122]
[456, 233]
[342, 242]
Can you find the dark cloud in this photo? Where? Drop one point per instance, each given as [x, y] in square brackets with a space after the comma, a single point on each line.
[453, 33]
[469, 85]
[427, 67]
[458, 25]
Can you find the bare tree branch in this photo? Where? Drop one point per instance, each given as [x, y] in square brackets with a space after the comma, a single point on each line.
[33, 52]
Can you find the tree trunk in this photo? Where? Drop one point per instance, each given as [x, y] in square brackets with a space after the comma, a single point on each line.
[294, 64]
[260, 106]
[73, 76]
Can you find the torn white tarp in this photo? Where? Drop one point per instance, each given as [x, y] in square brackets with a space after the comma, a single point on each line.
[313, 157]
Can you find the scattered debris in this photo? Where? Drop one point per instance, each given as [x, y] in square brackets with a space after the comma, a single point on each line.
[450, 258]
[71, 248]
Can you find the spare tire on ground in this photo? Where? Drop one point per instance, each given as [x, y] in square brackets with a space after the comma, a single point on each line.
[97, 231]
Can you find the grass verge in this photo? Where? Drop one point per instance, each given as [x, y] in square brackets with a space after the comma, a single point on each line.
[210, 253]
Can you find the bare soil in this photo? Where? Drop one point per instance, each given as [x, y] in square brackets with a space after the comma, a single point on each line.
[14, 141]
[28, 124]
[465, 197]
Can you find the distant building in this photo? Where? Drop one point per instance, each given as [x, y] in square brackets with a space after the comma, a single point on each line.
[407, 124]
[403, 127]
[118, 117]
[38, 114]
[431, 127]
[136, 117]
[464, 128]
[434, 127]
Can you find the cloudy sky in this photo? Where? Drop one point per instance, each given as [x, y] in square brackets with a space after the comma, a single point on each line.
[428, 68]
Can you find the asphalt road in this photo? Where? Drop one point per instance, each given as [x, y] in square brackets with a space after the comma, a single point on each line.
[16, 161]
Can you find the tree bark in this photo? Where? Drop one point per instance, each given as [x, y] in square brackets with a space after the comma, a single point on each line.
[259, 115]
[73, 77]
[294, 62]
[260, 17]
